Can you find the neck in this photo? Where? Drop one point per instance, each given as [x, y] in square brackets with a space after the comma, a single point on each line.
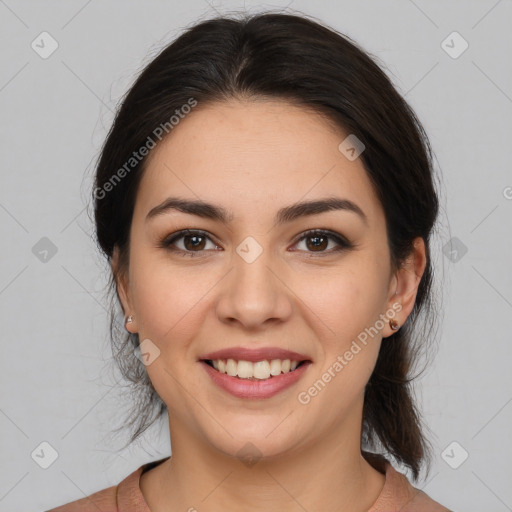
[327, 474]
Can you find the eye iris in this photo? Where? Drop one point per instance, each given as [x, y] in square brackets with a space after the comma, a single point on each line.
[317, 244]
[195, 244]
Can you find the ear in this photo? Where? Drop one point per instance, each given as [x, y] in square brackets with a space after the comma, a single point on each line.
[123, 290]
[404, 286]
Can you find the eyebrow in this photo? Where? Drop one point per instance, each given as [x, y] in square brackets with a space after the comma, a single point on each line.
[285, 214]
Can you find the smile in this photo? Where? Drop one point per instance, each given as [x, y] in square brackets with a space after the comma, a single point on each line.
[262, 370]
[256, 380]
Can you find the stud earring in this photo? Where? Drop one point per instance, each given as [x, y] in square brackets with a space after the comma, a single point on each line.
[394, 325]
[129, 320]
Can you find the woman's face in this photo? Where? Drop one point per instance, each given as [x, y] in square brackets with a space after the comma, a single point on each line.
[251, 282]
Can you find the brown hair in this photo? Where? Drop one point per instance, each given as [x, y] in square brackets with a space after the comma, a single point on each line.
[296, 59]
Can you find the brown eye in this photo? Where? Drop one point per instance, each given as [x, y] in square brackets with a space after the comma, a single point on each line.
[193, 242]
[318, 241]
[188, 242]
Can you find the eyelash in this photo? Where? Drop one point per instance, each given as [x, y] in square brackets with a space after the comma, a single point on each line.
[343, 244]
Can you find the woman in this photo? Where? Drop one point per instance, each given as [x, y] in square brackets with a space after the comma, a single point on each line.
[266, 198]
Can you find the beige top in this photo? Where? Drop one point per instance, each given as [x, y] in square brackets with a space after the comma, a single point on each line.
[397, 495]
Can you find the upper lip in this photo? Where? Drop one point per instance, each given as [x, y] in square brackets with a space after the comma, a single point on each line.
[253, 355]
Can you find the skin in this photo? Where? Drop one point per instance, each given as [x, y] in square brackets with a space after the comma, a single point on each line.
[252, 158]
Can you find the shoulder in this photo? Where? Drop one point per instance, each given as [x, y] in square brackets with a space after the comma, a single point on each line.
[410, 498]
[399, 494]
[105, 500]
[124, 497]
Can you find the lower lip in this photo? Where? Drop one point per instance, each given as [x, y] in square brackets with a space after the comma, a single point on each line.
[245, 388]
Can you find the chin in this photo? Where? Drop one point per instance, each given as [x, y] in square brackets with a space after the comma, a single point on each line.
[251, 439]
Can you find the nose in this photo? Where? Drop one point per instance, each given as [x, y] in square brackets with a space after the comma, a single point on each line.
[254, 294]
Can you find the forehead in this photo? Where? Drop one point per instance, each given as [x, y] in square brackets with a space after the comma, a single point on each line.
[252, 157]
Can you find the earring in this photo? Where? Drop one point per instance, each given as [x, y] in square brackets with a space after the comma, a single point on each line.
[129, 320]
[394, 325]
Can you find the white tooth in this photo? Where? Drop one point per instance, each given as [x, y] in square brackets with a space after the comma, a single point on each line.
[258, 370]
[275, 367]
[231, 367]
[244, 370]
[261, 370]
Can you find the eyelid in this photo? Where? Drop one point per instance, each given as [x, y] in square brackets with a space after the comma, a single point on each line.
[340, 240]
[170, 239]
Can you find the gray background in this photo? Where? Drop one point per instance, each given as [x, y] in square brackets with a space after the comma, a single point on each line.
[57, 384]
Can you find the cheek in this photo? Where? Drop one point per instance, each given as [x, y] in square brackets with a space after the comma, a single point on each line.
[350, 306]
[346, 301]
[168, 298]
